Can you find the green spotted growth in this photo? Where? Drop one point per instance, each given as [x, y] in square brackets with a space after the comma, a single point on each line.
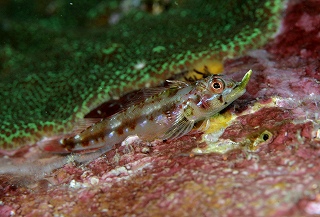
[59, 61]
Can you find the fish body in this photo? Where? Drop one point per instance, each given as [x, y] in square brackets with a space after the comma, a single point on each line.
[169, 114]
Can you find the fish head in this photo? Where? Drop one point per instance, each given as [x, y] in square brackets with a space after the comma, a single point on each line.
[216, 93]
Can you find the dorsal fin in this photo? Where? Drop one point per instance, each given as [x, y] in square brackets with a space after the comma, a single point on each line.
[177, 84]
[143, 94]
[112, 107]
[140, 96]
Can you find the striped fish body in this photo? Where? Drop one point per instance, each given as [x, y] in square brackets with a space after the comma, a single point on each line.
[169, 114]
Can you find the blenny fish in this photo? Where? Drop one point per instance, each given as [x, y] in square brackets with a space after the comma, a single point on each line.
[169, 114]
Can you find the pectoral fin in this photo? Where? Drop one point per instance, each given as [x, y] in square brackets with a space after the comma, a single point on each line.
[181, 127]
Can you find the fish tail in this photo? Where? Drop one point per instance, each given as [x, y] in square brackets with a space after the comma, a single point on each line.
[53, 144]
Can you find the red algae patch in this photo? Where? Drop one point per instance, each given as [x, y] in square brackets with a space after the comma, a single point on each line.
[300, 35]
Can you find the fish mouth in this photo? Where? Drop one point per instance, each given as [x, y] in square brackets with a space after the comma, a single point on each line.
[240, 88]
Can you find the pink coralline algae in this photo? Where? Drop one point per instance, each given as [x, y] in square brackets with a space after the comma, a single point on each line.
[278, 177]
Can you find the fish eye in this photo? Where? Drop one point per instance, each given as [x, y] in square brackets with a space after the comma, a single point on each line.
[217, 85]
